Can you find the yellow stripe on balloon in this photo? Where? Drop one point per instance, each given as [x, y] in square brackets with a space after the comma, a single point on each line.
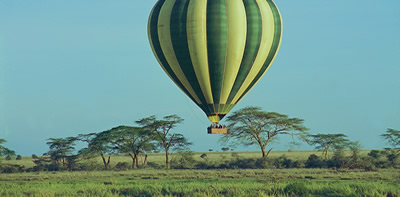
[152, 46]
[197, 41]
[265, 46]
[164, 32]
[279, 46]
[237, 32]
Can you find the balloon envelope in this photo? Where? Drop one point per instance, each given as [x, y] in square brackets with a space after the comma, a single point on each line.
[215, 50]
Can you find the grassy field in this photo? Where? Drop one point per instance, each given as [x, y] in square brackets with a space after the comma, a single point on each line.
[151, 182]
[288, 182]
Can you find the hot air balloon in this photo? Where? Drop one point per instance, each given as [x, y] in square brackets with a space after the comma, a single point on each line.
[215, 50]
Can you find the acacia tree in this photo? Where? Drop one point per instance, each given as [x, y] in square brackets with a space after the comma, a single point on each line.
[355, 148]
[61, 149]
[97, 143]
[252, 126]
[326, 142]
[131, 140]
[5, 151]
[162, 133]
[392, 136]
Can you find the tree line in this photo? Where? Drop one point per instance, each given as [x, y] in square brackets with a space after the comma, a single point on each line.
[248, 126]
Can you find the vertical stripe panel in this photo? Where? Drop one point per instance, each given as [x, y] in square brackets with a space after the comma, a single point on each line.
[253, 41]
[197, 41]
[180, 45]
[237, 29]
[155, 45]
[216, 44]
[265, 47]
[164, 33]
[275, 46]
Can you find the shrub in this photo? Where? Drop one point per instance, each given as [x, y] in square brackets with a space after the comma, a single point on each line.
[338, 160]
[34, 156]
[314, 161]
[12, 169]
[154, 165]
[376, 154]
[123, 166]
[284, 162]
[19, 157]
[183, 160]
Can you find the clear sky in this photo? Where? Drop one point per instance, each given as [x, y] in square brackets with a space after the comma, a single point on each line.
[71, 67]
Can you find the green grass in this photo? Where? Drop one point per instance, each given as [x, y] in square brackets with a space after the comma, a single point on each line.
[316, 182]
[151, 182]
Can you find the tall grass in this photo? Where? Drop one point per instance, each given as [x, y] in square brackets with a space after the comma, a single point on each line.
[288, 182]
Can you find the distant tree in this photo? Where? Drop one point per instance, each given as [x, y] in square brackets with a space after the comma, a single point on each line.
[326, 142]
[162, 131]
[19, 157]
[225, 149]
[355, 148]
[392, 137]
[131, 140]
[99, 144]
[61, 149]
[5, 151]
[210, 150]
[252, 126]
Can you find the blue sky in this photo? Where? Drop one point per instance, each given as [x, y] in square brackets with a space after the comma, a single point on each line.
[71, 67]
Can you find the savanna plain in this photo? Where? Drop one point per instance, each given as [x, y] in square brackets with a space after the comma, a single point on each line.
[153, 180]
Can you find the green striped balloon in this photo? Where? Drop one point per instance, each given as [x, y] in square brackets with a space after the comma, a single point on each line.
[215, 50]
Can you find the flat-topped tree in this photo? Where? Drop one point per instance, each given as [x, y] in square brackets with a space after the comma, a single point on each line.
[162, 131]
[5, 151]
[252, 126]
[97, 143]
[61, 149]
[326, 142]
[131, 140]
[392, 136]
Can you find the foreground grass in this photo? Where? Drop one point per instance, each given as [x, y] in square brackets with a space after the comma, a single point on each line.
[288, 182]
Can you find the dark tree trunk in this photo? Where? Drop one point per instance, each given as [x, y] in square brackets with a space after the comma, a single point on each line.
[133, 160]
[268, 153]
[145, 160]
[263, 153]
[108, 162]
[104, 161]
[167, 165]
[137, 160]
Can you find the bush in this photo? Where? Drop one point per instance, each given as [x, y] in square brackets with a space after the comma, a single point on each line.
[19, 157]
[376, 154]
[314, 161]
[183, 160]
[34, 156]
[154, 165]
[123, 166]
[284, 162]
[247, 163]
[12, 169]
[338, 160]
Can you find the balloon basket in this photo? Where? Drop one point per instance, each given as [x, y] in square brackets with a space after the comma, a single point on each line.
[211, 130]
